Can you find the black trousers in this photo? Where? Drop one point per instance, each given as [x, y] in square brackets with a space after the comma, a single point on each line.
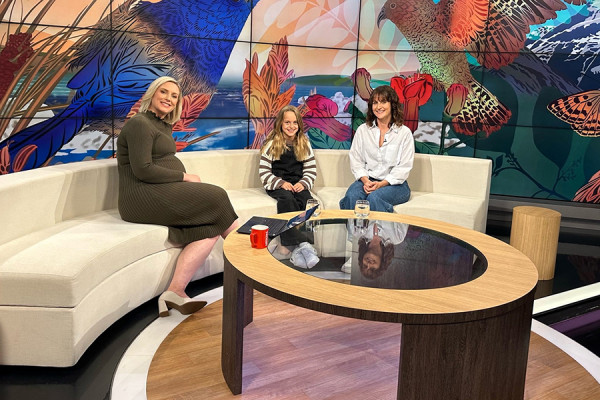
[290, 201]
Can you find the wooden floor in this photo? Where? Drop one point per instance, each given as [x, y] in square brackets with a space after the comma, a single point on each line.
[293, 353]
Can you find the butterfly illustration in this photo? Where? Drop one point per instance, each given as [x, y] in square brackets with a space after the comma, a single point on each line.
[590, 192]
[581, 110]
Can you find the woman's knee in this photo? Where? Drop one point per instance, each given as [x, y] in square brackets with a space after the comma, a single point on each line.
[212, 240]
[202, 242]
[344, 203]
[378, 203]
[347, 202]
[404, 194]
[353, 193]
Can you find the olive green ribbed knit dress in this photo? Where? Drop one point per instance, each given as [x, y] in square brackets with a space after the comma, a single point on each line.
[151, 187]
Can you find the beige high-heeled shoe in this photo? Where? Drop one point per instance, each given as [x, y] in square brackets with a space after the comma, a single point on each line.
[182, 304]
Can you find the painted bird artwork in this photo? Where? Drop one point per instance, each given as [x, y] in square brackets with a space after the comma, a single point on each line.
[492, 31]
[140, 41]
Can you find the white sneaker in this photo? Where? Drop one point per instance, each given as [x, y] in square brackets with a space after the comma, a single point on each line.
[311, 258]
[347, 267]
[304, 256]
[297, 258]
[310, 254]
[307, 247]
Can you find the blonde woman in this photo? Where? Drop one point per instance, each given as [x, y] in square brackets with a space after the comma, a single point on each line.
[154, 188]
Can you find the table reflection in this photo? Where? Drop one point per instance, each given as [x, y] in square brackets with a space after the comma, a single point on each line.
[375, 244]
[380, 254]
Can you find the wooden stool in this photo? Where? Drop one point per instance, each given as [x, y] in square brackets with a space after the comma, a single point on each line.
[534, 232]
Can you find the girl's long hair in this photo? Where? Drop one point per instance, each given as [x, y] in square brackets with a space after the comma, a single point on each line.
[277, 137]
[386, 93]
[175, 114]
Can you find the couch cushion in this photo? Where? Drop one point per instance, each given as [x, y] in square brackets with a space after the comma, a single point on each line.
[38, 199]
[459, 210]
[58, 266]
[329, 197]
[250, 202]
[230, 169]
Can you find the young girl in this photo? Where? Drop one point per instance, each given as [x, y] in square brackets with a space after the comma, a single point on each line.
[287, 164]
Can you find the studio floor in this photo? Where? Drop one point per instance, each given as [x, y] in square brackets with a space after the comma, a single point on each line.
[116, 366]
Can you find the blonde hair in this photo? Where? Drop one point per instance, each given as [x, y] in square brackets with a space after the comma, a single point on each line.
[175, 114]
[277, 137]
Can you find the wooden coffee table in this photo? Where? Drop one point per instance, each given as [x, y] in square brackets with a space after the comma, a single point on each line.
[467, 341]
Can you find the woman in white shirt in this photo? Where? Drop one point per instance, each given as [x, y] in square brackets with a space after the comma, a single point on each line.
[381, 155]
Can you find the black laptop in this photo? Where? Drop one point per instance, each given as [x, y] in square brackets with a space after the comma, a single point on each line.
[277, 226]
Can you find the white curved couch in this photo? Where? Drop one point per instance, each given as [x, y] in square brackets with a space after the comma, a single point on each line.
[70, 267]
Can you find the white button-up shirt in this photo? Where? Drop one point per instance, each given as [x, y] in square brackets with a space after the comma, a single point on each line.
[394, 232]
[392, 161]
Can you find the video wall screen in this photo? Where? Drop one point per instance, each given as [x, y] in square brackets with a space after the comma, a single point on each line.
[518, 86]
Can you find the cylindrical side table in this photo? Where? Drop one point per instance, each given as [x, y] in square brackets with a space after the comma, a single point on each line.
[534, 232]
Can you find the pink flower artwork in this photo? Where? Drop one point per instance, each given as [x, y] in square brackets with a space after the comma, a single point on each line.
[321, 115]
[413, 92]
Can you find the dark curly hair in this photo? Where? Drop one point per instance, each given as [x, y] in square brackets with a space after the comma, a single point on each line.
[387, 253]
[385, 92]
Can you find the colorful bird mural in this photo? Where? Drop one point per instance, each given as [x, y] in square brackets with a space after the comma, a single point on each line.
[138, 42]
[492, 31]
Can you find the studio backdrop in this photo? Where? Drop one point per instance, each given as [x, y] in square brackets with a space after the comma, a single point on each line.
[517, 82]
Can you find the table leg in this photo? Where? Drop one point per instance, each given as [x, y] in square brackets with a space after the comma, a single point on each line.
[483, 359]
[237, 313]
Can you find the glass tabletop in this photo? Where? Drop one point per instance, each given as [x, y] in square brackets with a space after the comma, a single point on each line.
[378, 253]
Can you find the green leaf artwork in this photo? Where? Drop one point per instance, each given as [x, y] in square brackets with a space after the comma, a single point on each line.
[319, 140]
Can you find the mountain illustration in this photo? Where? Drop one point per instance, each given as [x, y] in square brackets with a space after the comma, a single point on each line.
[571, 50]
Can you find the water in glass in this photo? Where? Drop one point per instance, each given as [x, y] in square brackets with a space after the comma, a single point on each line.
[361, 208]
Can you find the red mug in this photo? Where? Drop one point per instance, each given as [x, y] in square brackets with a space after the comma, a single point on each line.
[258, 236]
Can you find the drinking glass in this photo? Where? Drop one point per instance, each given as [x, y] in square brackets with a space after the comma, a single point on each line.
[310, 203]
[362, 208]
